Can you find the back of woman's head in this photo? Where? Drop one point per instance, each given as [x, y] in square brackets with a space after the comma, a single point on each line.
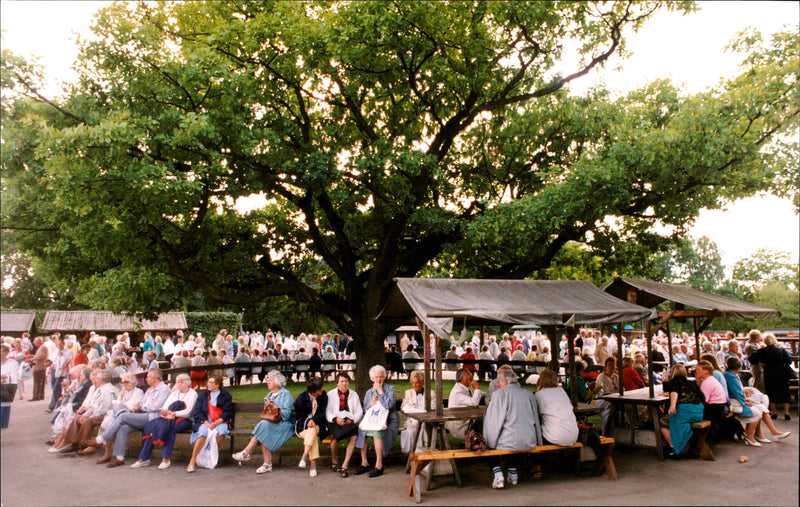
[677, 370]
[547, 378]
[733, 363]
[711, 359]
[314, 384]
[769, 339]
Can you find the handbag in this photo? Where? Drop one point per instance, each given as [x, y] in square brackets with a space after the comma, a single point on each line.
[271, 413]
[474, 441]
[341, 432]
[374, 418]
[736, 406]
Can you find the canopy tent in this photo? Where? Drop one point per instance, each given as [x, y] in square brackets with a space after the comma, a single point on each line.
[687, 302]
[437, 302]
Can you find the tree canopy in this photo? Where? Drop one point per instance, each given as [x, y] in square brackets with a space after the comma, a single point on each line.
[381, 139]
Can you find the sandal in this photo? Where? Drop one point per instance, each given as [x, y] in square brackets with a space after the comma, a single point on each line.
[344, 472]
[241, 457]
[264, 468]
[335, 467]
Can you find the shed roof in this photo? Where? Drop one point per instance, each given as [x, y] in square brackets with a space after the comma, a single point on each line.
[16, 322]
[108, 321]
[650, 294]
[437, 301]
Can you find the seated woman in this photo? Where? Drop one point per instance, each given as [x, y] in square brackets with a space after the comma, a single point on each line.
[751, 414]
[241, 366]
[344, 412]
[175, 416]
[269, 434]
[685, 408]
[382, 440]
[559, 425]
[328, 369]
[310, 423]
[199, 376]
[587, 392]
[212, 411]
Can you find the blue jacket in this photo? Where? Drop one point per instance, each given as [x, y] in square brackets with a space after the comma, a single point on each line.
[200, 412]
[736, 392]
[302, 410]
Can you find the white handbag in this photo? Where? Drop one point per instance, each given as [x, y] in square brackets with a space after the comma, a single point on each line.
[374, 418]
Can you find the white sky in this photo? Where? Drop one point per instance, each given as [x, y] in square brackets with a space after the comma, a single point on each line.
[689, 49]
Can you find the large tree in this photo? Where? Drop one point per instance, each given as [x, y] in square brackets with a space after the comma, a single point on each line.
[384, 138]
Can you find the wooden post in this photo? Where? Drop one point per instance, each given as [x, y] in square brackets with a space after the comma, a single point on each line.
[619, 358]
[697, 349]
[650, 359]
[669, 343]
[551, 335]
[437, 349]
[573, 386]
[426, 363]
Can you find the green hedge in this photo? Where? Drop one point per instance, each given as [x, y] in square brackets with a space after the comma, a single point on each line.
[210, 323]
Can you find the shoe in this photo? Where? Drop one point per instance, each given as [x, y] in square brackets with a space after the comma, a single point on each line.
[92, 443]
[104, 459]
[115, 463]
[87, 451]
[753, 443]
[241, 457]
[335, 467]
[312, 472]
[782, 435]
[375, 472]
[54, 450]
[787, 417]
[512, 479]
[362, 470]
[164, 465]
[498, 482]
[48, 410]
[264, 468]
[344, 472]
[190, 469]
[302, 465]
[774, 416]
[50, 442]
[141, 464]
[764, 440]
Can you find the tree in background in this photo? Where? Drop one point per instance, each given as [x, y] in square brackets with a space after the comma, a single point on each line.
[379, 139]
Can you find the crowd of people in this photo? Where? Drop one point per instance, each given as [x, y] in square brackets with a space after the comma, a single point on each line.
[98, 400]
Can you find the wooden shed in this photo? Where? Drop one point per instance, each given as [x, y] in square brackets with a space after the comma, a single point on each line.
[15, 323]
[110, 324]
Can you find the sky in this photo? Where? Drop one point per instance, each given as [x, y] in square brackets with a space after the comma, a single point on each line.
[688, 49]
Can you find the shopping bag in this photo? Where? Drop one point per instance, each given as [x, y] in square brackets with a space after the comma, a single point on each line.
[374, 418]
[209, 455]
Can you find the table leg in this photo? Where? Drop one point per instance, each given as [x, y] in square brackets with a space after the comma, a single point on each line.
[413, 446]
[657, 428]
[446, 445]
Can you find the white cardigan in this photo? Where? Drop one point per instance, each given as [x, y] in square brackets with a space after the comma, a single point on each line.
[354, 409]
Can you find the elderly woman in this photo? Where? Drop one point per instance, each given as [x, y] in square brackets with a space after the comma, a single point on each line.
[382, 440]
[310, 423]
[212, 411]
[776, 366]
[751, 346]
[328, 369]
[559, 425]
[198, 376]
[344, 411]
[241, 366]
[271, 435]
[751, 413]
[175, 416]
[685, 408]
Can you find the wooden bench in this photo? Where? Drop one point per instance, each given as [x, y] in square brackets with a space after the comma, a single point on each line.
[248, 415]
[420, 460]
[701, 447]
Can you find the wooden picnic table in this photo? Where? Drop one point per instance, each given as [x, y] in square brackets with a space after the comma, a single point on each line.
[434, 426]
[642, 397]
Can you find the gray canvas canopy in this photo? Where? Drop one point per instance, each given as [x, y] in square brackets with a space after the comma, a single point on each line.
[438, 301]
[650, 294]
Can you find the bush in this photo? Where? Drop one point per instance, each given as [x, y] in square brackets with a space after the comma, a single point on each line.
[210, 323]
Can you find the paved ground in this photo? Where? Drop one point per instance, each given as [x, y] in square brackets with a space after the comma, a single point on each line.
[31, 476]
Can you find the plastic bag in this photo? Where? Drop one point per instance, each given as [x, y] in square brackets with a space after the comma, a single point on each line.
[25, 371]
[374, 418]
[209, 455]
[63, 419]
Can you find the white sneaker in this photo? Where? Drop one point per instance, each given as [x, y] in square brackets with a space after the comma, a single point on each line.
[512, 479]
[312, 472]
[164, 466]
[140, 464]
[498, 482]
[302, 464]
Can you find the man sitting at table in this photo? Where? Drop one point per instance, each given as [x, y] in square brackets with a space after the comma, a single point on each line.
[464, 394]
[511, 422]
[414, 403]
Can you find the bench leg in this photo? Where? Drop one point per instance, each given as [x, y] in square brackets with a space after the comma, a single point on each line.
[657, 428]
[608, 462]
[701, 446]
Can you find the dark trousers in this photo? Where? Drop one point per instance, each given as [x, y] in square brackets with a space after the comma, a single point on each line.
[169, 442]
[39, 379]
[56, 385]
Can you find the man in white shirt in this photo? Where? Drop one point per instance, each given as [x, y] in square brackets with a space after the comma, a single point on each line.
[464, 394]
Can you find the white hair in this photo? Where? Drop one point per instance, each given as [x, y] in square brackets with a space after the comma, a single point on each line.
[376, 370]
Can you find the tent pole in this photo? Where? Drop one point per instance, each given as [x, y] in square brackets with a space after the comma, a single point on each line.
[573, 387]
[650, 359]
[426, 363]
[550, 331]
[697, 349]
[437, 349]
[669, 342]
[619, 358]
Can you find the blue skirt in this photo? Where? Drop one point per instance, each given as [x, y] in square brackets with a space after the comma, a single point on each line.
[273, 435]
[680, 424]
